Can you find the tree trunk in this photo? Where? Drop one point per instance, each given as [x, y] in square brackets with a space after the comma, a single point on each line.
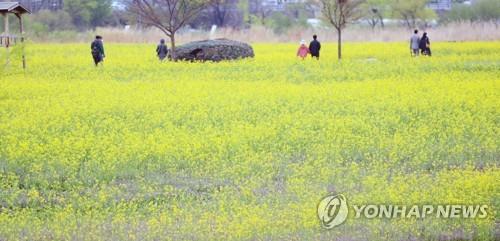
[6, 32]
[21, 32]
[172, 47]
[373, 23]
[219, 16]
[339, 35]
[407, 22]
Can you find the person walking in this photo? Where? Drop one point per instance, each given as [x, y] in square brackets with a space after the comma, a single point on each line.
[97, 48]
[162, 50]
[303, 50]
[415, 43]
[425, 45]
[315, 47]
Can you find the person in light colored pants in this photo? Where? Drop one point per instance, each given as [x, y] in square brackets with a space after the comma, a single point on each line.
[415, 43]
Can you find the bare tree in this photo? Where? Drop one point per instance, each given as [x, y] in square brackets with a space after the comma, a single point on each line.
[340, 13]
[260, 10]
[412, 11]
[220, 10]
[167, 15]
[374, 11]
[374, 17]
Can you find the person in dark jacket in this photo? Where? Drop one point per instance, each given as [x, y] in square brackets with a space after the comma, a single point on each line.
[97, 48]
[425, 45]
[162, 50]
[315, 47]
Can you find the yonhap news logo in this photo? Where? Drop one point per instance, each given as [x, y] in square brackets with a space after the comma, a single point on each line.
[333, 211]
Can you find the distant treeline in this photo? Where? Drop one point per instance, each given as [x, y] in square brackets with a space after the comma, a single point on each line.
[83, 15]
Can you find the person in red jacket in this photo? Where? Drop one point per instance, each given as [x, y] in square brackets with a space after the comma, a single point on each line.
[303, 50]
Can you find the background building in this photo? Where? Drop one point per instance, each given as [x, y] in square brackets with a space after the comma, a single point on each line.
[440, 5]
[272, 5]
[37, 5]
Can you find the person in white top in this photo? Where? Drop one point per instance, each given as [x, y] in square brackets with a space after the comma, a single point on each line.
[415, 43]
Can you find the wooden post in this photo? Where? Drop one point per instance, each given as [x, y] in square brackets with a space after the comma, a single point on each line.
[6, 23]
[3, 15]
[21, 29]
[6, 33]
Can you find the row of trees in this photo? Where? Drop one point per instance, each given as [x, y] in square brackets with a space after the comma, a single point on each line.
[414, 13]
[170, 16]
[78, 15]
[480, 11]
[88, 14]
[373, 12]
[410, 12]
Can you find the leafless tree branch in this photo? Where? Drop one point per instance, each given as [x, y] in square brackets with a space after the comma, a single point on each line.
[167, 15]
[339, 13]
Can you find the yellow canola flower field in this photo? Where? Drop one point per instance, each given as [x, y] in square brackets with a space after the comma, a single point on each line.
[245, 150]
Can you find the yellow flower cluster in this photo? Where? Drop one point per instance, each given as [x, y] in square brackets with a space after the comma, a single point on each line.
[143, 150]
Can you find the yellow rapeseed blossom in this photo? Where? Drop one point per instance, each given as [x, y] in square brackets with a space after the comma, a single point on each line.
[244, 150]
